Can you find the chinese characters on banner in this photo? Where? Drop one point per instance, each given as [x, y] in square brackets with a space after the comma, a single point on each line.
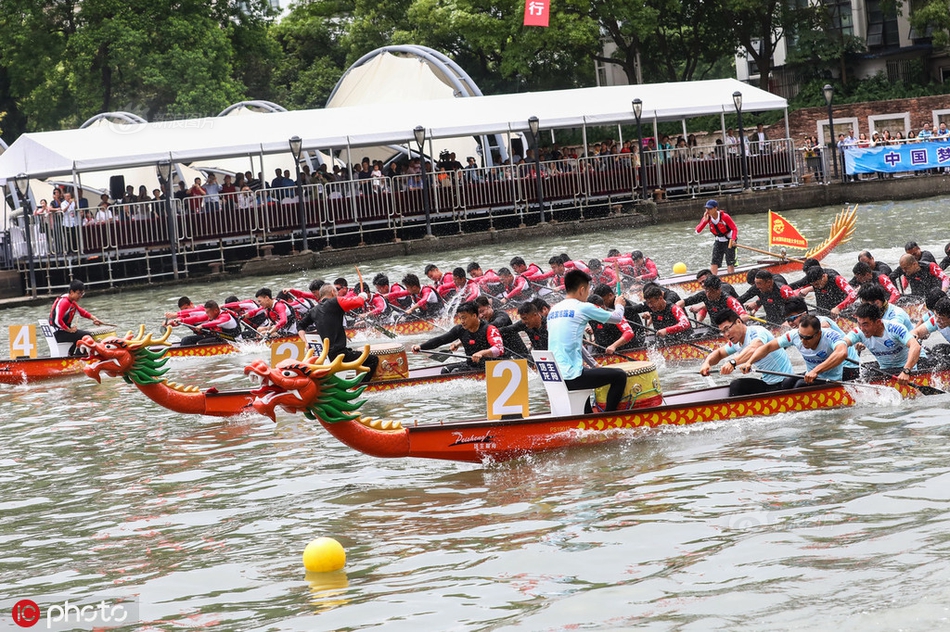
[536, 12]
[889, 159]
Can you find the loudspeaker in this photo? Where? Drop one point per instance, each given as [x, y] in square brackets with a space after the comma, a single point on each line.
[117, 187]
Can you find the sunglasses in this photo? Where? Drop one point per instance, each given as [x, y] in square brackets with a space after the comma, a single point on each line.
[792, 319]
[801, 337]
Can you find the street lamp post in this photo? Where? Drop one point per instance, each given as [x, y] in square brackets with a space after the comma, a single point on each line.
[535, 126]
[737, 101]
[165, 175]
[22, 183]
[295, 146]
[637, 113]
[420, 133]
[829, 97]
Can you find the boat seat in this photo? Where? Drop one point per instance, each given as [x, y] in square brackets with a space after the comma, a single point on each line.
[56, 349]
[563, 401]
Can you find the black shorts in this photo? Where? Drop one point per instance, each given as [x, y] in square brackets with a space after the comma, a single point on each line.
[720, 249]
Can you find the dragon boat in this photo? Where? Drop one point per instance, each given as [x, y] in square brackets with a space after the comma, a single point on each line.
[842, 229]
[317, 389]
[29, 370]
[141, 359]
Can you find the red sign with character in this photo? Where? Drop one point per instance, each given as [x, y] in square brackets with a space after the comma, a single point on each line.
[536, 12]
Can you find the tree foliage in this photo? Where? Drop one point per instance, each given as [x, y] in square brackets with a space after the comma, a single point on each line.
[62, 61]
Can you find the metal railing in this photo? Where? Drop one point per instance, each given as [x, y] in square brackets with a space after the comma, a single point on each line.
[131, 241]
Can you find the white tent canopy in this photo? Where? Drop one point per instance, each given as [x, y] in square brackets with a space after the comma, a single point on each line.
[44, 154]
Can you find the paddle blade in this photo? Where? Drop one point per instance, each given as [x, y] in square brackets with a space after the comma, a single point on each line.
[926, 390]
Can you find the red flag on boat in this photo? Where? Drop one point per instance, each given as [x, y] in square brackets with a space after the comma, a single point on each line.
[536, 12]
[782, 233]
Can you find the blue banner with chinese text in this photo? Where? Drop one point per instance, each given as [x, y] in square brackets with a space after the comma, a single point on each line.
[895, 158]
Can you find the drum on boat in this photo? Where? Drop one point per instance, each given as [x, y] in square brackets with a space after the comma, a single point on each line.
[643, 386]
[393, 363]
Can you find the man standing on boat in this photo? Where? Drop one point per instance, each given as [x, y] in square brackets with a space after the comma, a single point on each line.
[823, 349]
[567, 321]
[744, 340]
[726, 233]
[64, 310]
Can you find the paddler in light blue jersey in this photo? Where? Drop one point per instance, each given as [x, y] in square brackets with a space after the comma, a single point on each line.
[940, 321]
[796, 307]
[892, 345]
[823, 349]
[743, 342]
[567, 321]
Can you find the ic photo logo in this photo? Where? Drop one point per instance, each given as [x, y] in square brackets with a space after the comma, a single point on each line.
[70, 614]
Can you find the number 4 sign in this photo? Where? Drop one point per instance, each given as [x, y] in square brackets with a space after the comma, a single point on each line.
[22, 341]
[507, 386]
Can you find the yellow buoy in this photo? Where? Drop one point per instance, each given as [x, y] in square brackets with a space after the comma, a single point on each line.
[679, 268]
[324, 555]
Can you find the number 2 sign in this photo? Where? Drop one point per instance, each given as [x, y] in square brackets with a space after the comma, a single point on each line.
[507, 386]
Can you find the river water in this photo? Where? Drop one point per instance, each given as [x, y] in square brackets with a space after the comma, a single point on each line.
[833, 519]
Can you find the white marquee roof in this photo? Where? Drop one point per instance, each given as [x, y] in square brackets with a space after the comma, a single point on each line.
[111, 146]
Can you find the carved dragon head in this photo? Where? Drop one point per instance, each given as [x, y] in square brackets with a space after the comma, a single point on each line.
[311, 386]
[129, 357]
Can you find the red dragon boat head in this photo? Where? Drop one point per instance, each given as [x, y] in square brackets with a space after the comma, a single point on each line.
[130, 357]
[311, 386]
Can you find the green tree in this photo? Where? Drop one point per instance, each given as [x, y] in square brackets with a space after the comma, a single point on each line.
[311, 42]
[933, 16]
[673, 40]
[488, 39]
[758, 25]
[822, 46]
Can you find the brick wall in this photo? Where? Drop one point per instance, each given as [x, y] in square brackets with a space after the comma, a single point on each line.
[918, 110]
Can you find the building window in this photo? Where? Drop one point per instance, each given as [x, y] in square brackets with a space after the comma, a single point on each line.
[841, 17]
[882, 25]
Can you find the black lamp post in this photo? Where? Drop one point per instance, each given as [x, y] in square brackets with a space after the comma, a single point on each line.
[295, 146]
[737, 101]
[535, 126]
[420, 133]
[637, 113]
[829, 97]
[165, 175]
[22, 183]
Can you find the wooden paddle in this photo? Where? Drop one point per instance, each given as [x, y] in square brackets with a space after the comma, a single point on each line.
[822, 379]
[675, 341]
[615, 353]
[442, 356]
[771, 254]
[923, 389]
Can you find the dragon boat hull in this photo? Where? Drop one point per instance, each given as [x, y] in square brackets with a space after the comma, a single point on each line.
[29, 370]
[494, 440]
